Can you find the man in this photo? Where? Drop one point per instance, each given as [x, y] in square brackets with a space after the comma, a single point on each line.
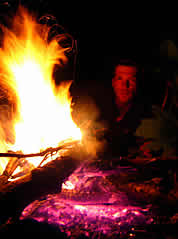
[124, 86]
[129, 105]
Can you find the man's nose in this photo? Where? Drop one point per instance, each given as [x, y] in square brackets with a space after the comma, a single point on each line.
[127, 84]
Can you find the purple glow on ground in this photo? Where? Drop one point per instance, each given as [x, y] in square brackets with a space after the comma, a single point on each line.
[89, 204]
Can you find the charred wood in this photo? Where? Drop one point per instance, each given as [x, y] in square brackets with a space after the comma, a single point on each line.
[16, 195]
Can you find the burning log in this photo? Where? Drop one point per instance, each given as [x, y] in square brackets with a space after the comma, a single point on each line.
[16, 195]
[18, 158]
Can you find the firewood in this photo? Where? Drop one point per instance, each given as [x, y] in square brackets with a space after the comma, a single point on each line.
[16, 195]
[43, 153]
[19, 159]
[11, 167]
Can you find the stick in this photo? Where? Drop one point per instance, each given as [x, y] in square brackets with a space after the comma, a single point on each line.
[16, 195]
[43, 153]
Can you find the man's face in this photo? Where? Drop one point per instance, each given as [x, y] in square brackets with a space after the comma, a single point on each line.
[124, 83]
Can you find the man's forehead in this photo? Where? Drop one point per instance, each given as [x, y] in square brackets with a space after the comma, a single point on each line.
[126, 70]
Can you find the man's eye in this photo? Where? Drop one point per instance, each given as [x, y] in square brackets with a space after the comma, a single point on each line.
[119, 78]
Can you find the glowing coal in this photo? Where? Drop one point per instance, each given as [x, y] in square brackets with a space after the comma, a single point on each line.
[89, 203]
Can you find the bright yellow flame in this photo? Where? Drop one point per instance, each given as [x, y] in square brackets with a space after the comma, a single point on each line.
[43, 116]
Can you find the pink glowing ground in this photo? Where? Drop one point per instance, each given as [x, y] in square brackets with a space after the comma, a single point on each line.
[89, 205]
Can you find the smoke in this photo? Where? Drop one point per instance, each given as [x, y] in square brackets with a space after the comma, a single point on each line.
[86, 114]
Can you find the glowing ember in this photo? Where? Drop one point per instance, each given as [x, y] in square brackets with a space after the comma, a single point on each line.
[43, 114]
[76, 219]
[89, 205]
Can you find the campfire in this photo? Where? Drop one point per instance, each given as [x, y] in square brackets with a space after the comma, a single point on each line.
[42, 115]
[38, 114]
[46, 172]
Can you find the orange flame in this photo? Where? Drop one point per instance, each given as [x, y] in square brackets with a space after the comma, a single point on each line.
[43, 112]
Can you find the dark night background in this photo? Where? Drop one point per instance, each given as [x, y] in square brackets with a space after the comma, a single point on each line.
[106, 33]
